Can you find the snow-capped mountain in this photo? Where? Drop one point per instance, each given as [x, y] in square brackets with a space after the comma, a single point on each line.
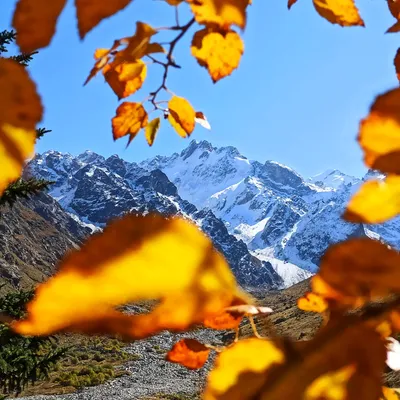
[94, 189]
[272, 224]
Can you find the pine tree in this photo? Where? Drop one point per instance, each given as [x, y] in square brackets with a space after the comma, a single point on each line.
[21, 187]
[23, 360]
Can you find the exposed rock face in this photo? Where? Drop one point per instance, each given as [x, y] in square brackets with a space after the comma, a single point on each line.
[34, 235]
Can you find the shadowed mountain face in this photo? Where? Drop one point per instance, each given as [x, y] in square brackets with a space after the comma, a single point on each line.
[270, 223]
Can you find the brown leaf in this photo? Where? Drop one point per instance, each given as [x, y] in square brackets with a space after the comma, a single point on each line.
[135, 258]
[35, 22]
[188, 352]
[218, 51]
[341, 12]
[379, 134]
[129, 120]
[91, 12]
[291, 3]
[20, 111]
[375, 202]
[181, 116]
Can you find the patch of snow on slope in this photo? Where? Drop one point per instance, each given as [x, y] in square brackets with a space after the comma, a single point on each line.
[290, 273]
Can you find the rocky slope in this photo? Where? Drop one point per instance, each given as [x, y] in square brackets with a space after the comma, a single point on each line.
[34, 235]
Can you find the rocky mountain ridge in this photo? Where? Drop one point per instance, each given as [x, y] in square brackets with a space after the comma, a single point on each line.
[272, 224]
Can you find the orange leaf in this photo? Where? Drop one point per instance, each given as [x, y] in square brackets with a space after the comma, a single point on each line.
[135, 258]
[35, 22]
[291, 3]
[223, 321]
[151, 130]
[181, 116]
[394, 28]
[174, 2]
[130, 119]
[361, 268]
[190, 353]
[375, 202]
[219, 52]
[389, 393]
[91, 12]
[125, 79]
[379, 134]
[20, 111]
[222, 13]
[394, 8]
[312, 302]
[240, 370]
[341, 12]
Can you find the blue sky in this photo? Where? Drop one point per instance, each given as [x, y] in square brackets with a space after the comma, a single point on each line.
[298, 96]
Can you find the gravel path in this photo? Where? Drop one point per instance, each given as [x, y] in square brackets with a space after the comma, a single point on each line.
[150, 375]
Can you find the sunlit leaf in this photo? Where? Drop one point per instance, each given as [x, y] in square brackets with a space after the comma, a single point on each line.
[389, 394]
[339, 344]
[129, 120]
[361, 267]
[91, 12]
[342, 12]
[331, 386]
[190, 353]
[222, 13]
[181, 116]
[135, 258]
[379, 134]
[151, 130]
[20, 111]
[240, 370]
[125, 79]
[35, 22]
[201, 119]
[312, 302]
[218, 51]
[375, 202]
[223, 321]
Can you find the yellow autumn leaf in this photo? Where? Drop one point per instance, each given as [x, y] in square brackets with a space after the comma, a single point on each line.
[91, 12]
[223, 13]
[241, 369]
[331, 386]
[340, 343]
[375, 202]
[125, 79]
[312, 302]
[151, 130]
[389, 393]
[20, 111]
[361, 267]
[35, 22]
[129, 120]
[341, 12]
[181, 116]
[141, 258]
[379, 134]
[218, 51]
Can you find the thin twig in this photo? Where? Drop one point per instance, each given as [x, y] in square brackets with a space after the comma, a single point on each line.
[170, 62]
